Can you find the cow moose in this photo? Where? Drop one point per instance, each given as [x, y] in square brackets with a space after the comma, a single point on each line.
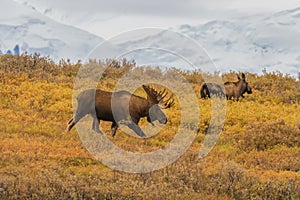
[121, 107]
[233, 90]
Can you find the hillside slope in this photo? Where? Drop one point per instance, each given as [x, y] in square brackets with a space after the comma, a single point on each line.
[36, 33]
[256, 156]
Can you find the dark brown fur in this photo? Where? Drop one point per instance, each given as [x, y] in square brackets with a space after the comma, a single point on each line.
[98, 104]
[233, 90]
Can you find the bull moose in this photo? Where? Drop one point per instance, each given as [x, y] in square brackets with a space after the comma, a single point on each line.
[233, 90]
[121, 107]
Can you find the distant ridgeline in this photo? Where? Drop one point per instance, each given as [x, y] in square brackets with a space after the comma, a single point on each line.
[15, 51]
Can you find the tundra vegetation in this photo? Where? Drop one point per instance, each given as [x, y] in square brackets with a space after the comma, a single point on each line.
[256, 157]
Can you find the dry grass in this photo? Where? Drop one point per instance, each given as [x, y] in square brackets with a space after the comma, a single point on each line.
[256, 157]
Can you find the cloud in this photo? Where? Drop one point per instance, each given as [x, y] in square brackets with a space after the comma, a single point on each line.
[166, 8]
[108, 18]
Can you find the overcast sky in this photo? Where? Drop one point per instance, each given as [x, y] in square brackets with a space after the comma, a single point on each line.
[109, 18]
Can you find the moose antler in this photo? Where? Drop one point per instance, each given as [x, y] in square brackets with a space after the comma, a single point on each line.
[168, 103]
[157, 97]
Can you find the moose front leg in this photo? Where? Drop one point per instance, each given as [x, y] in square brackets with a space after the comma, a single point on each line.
[96, 124]
[137, 129]
[133, 126]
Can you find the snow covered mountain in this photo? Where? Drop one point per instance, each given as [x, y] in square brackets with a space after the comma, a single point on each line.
[245, 44]
[248, 43]
[34, 32]
[270, 42]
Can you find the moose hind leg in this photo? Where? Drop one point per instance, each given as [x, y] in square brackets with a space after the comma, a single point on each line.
[70, 125]
[71, 120]
[74, 120]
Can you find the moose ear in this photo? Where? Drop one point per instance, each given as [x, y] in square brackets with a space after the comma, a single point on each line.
[239, 78]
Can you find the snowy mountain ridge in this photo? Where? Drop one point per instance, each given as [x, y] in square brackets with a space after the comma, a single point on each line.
[249, 43]
[245, 44]
[34, 32]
